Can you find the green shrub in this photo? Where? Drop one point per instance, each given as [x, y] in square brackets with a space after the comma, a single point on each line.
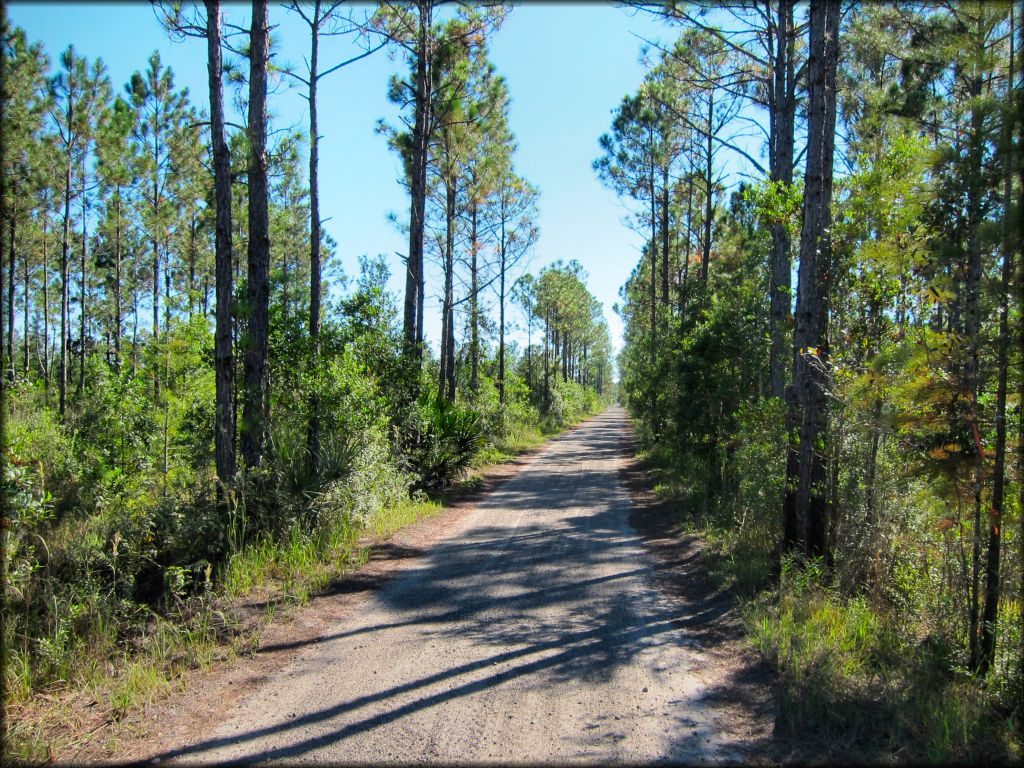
[441, 442]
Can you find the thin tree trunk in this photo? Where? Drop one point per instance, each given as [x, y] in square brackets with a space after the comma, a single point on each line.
[529, 357]
[256, 412]
[82, 315]
[135, 333]
[687, 247]
[46, 308]
[547, 336]
[781, 161]
[653, 247]
[447, 329]
[117, 283]
[193, 224]
[972, 308]
[24, 316]
[450, 352]
[412, 324]
[665, 298]
[64, 256]
[990, 614]
[501, 312]
[12, 238]
[313, 439]
[167, 374]
[709, 201]
[806, 511]
[474, 303]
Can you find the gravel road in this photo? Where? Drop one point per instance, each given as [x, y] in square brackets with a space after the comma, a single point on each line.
[532, 632]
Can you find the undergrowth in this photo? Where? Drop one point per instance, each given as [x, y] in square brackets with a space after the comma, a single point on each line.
[864, 676]
[99, 653]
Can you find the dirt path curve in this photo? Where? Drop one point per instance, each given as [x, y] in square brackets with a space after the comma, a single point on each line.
[533, 631]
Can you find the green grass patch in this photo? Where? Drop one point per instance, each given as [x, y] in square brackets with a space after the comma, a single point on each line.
[863, 685]
[392, 519]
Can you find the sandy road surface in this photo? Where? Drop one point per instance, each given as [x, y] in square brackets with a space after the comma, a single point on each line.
[532, 632]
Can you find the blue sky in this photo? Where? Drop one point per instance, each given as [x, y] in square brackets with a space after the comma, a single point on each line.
[567, 67]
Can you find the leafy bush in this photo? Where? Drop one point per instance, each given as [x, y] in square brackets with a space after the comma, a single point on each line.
[570, 402]
[442, 441]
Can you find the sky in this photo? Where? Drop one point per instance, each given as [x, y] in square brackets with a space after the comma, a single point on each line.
[567, 67]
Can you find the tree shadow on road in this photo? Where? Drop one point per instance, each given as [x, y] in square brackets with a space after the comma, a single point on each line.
[542, 602]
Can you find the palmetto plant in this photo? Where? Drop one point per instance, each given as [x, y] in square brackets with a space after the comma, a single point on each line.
[443, 441]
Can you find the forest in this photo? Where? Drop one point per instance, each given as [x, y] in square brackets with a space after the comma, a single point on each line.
[825, 355]
[198, 405]
[823, 350]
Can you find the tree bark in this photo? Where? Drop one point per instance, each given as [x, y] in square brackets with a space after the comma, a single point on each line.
[653, 248]
[412, 321]
[665, 298]
[256, 411]
[806, 521]
[990, 614]
[313, 439]
[687, 248]
[474, 302]
[12, 240]
[46, 306]
[82, 316]
[781, 129]
[24, 316]
[117, 282]
[64, 259]
[972, 328]
[447, 314]
[224, 425]
[501, 310]
[709, 201]
[547, 336]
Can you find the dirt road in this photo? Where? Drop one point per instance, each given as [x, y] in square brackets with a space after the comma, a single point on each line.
[533, 631]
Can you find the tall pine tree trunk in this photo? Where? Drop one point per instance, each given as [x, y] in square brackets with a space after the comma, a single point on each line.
[224, 420]
[781, 129]
[990, 614]
[474, 301]
[687, 249]
[83, 295]
[412, 322]
[46, 306]
[447, 313]
[117, 283]
[972, 328]
[709, 201]
[65, 245]
[256, 411]
[807, 502]
[12, 239]
[24, 315]
[501, 312]
[665, 233]
[313, 438]
[653, 248]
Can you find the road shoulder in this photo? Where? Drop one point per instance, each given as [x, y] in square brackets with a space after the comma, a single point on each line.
[741, 684]
[202, 698]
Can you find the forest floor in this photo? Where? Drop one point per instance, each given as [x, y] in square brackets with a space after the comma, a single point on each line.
[555, 614]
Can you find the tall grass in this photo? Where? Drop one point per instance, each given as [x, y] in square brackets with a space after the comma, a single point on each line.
[860, 684]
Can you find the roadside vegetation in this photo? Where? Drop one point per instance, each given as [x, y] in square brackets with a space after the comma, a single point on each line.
[824, 360]
[202, 412]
